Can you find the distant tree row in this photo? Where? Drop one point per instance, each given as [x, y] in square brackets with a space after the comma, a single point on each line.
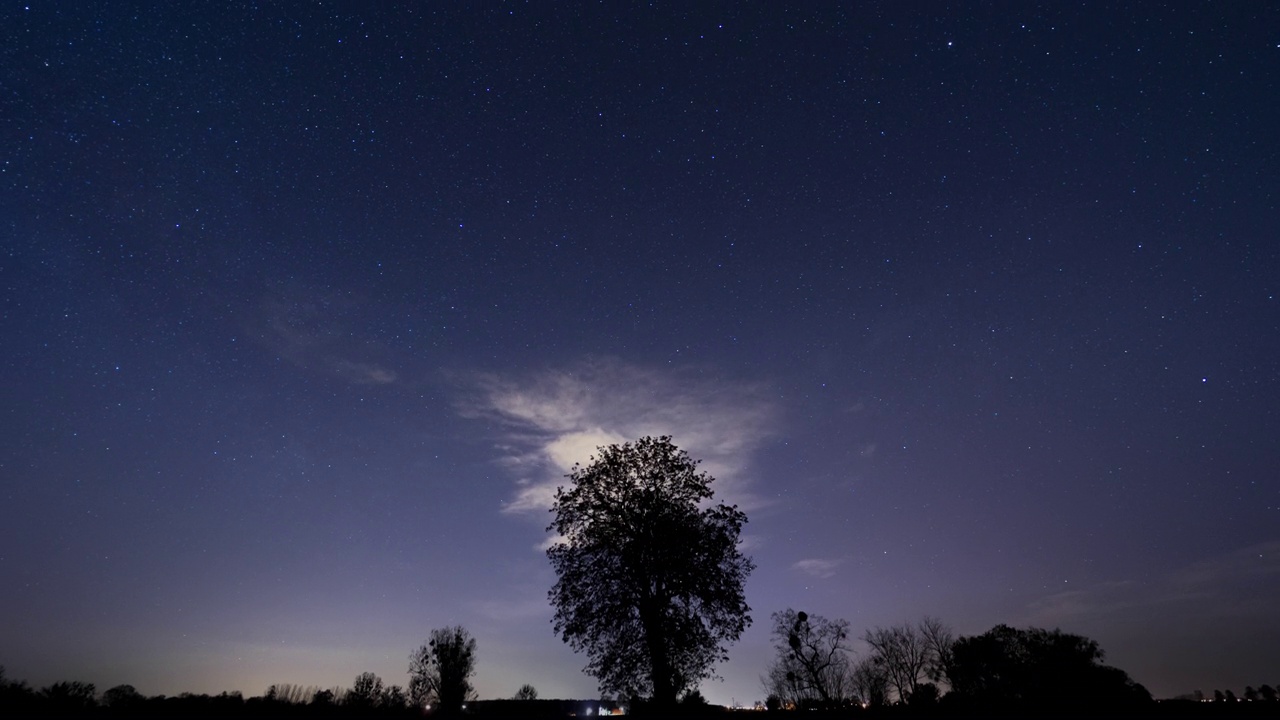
[1263, 693]
[924, 664]
[440, 673]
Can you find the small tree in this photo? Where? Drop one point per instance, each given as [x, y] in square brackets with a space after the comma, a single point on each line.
[526, 692]
[650, 578]
[869, 684]
[122, 697]
[365, 692]
[393, 698]
[440, 671]
[693, 698]
[812, 665]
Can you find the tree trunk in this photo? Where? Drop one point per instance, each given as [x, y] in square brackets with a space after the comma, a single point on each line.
[664, 689]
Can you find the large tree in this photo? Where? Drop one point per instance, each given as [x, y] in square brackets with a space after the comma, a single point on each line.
[1036, 668]
[650, 578]
[440, 671]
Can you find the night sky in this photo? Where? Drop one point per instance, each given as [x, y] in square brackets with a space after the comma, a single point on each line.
[306, 308]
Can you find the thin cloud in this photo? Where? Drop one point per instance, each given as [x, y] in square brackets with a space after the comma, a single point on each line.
[363, 373]
[817, 567]
[315, 331]
[549, 421]
[516, 609]
[1234, 582]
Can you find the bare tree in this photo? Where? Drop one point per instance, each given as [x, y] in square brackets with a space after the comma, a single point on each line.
[783, 684]
[526, 692]
[291, 693]
[812, 664]
[911, 655]
[868, 683]
[940, 641]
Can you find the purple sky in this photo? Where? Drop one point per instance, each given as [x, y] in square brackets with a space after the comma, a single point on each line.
[306, 309]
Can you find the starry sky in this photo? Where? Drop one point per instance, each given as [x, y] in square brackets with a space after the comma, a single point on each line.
[306, 308]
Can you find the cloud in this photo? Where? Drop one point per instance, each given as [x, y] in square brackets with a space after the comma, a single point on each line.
[1248, 565]
[1237, 582]
[817, 567]
[362, 373]
[551, 420]
[1101, 598]
[549, 542]
[534, 605]
[318, 332]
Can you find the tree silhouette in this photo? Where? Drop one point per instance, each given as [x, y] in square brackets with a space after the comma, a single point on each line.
[70, 697]
[869, 683]
[394, 698]
[693, 699]
[365, 692]
[812, 664]
[526, 692]
[440, 671]
[291, 693]
[911, 655]
[122, 697]
[16, 696]
[650, 584]
[1038, 668]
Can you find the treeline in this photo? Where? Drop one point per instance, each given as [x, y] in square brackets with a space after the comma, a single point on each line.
[368, 697]
[1263, 693]
[440, 673]
[925, 666]
[81, 699]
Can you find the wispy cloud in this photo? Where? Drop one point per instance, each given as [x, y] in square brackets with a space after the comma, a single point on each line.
[533, 604]
[315, 331]
[551, 420]
[363, 373]
[1238, 582]
[817, 567]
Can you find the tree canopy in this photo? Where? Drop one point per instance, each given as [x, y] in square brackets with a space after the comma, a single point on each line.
[1037, 668]
[440, 671]
[650, 578]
